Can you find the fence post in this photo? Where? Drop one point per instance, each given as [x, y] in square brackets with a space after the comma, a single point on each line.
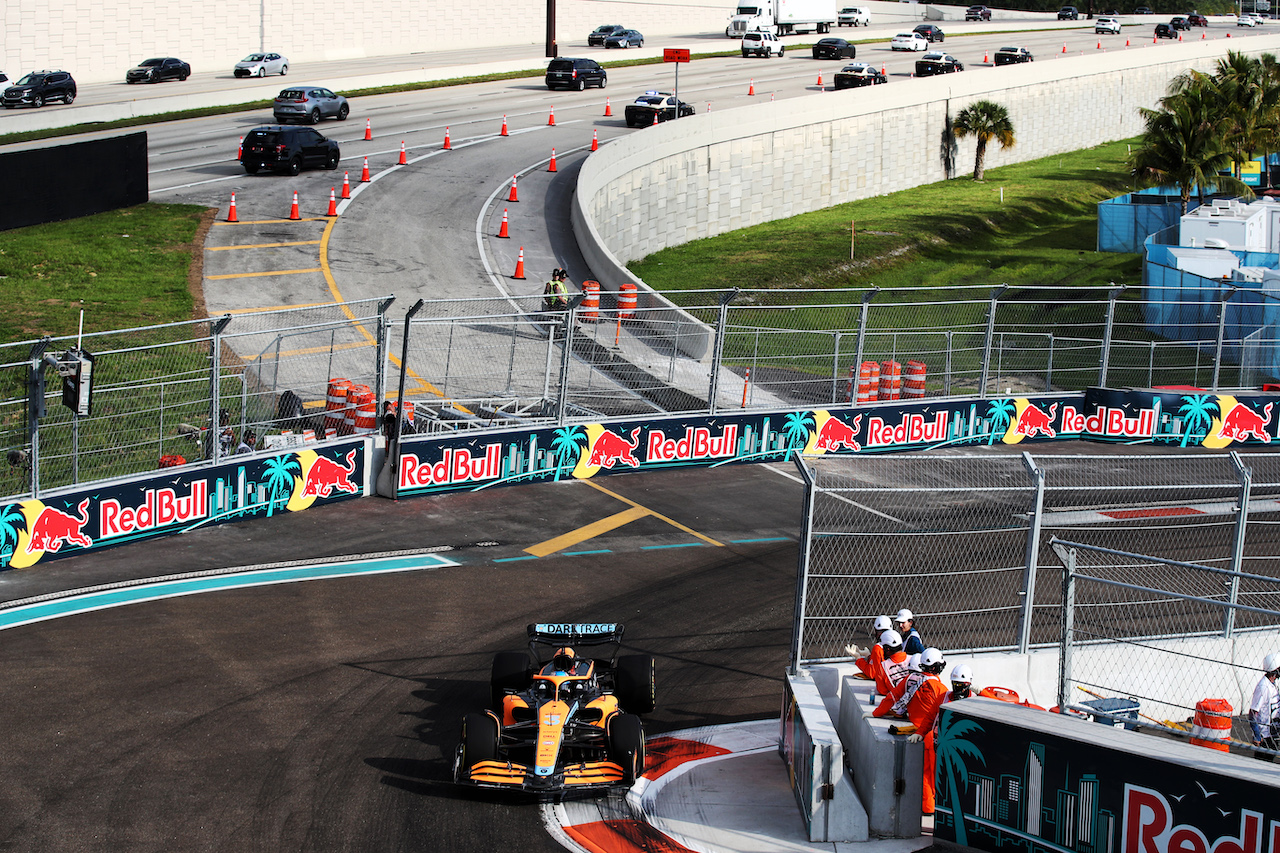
[35, 410]
[986, 343]
[569, 324]
[1106, 333]
[717, 351]
[835, 368]
[1226, 293]
[946, 379]
[1048, 373]
[1245, 473]
[216, 328]
[802, 571]
[1033, 554]
[404, 369]
[380, 369]
[862, 326]
[1068, 627]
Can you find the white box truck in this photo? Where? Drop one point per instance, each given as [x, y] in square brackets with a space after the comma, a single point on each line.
[783, 17]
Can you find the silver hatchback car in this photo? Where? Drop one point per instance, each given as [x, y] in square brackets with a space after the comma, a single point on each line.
[309, 104]
[261, 64]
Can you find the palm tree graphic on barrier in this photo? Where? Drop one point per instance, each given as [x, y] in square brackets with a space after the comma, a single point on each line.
[280, 472]
[796, 428]
[1197, 411]
[12, 522]
[567, 444]
[953, 749]
[1000, 412]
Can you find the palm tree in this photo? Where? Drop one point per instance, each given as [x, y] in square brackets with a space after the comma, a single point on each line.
[280, 473]
[1197, 412]
[1000, 412]
[12, 521]
[952, 750]
[984, 121]
[796, 428]
[566, 445]
[1183, 145]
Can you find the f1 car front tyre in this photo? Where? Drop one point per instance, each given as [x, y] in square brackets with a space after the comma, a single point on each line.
[479, 743]
[626, 745]
[635, 683]
[510, 672]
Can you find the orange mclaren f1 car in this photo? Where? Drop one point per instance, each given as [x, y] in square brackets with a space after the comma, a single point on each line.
[563, 717]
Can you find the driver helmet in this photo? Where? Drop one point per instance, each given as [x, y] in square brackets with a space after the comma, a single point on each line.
[564, 659]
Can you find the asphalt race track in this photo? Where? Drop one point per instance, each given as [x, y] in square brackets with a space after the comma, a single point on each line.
[323, 715]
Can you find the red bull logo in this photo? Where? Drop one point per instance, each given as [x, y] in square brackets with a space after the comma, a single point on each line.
[610, 448]
[327, 476]
[1243, 423]
[912, 429]
[456, 466]
[53, 528]
[159, 508]
[836, 434]
[1034, 421]
[696, 444]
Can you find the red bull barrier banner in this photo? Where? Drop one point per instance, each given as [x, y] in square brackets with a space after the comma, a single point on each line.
[1179, 417]
[176, 500]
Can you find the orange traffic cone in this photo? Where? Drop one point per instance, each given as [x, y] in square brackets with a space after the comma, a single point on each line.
[504, 127]
[751, 90]
[1179, 36]
[513, 196]
[520, 264]
[333, 202]
[293, 211]
[655, 118]
[771, 94]
[1202, 37]
[819, 79]
[595, 140]
[231, 211]
[346, 185]
[552, 166]
[364, 173]
[368, 129]
[882, 68]
[608, 110]
[1154, 40]
[1064, 47]
[1099, 45]
[551, 119]
[503, 232]
[404, 161]
[447, 145]
[1126, 42]
[240, 149]
[984, 57]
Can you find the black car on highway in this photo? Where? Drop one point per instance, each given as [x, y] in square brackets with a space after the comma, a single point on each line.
[1180, 23]
[1013, 55]
[663, 105]
[39, 88]
[833, 48]
[977, 13]
[602, 32]
[1068, 13]
[287, 150]
[937, 63]
[1166, 31]
[859, 74]
[932, 32]
[573, 73]
[157, 70]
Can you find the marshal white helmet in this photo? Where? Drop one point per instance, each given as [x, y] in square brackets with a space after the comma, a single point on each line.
[961, 674]
[931, 660]
[904, 615]
[913, 662]
[891, 640]
[1271, 662]
[883, 623]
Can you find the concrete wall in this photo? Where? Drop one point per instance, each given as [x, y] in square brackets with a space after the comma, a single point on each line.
[703, 176]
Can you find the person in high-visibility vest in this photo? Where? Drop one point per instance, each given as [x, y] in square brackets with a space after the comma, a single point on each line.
[866, 659]
[893, 668]
[922, 711]
[555, 296]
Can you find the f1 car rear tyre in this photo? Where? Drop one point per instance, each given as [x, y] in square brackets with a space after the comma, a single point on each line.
[479, 742]
[626, 745]
[510, 672]
[635, 683]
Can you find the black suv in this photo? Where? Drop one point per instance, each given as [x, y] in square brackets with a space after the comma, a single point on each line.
[287, 149]
[40, 87]
[575, 74]
[1068, 13]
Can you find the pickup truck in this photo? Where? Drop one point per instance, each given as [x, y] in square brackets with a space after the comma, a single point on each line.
[663, 105]
[853, 16]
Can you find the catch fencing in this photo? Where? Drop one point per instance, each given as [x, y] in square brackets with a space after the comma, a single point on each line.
[476, 363]
[964, 540]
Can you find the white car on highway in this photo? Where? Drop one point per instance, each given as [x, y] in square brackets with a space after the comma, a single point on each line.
[909, 41]
[1107, 25]
[1246, 21]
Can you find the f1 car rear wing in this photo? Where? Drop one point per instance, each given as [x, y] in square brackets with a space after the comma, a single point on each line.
[576, 634]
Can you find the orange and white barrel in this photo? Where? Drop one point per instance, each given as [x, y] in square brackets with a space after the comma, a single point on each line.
[868, 381]
[913, 381]
[590, 311]
[366, 417]
[354, 393]
[1211, 725]
[890, 381]
[626, 301]
[335, 402]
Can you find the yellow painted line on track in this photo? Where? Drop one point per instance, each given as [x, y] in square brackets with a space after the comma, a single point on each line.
[604, 525]
[260, 274]
[267, 356]
[264, 245]
[590, 531]
[275, 308]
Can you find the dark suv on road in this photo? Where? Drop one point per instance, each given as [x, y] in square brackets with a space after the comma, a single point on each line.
[1068, 13]
[575, 74]
[288, 150]
[40, 87]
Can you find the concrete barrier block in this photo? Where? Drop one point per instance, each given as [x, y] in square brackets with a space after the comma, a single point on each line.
[888, 772]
